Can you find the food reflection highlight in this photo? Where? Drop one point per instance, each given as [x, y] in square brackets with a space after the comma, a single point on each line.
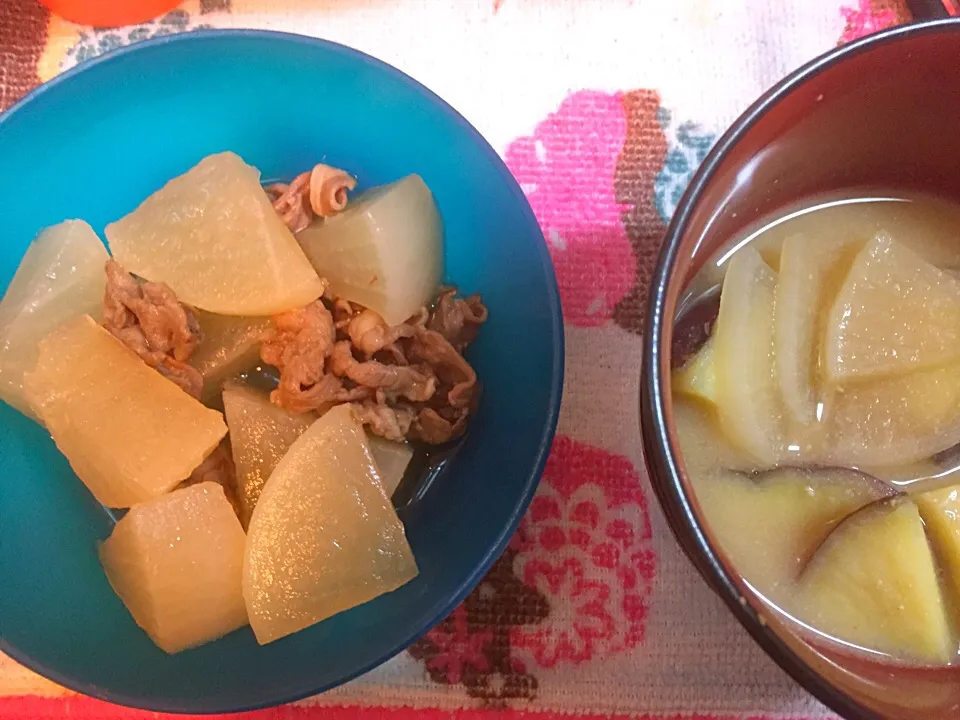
[253, 373]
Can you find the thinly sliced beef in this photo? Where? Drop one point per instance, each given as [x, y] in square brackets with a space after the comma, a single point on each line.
[370, 334]
[322, 192]
[432, 348]
[299, 343]
[218, 468]
[343, 312]
[458, 319]
[433, 429]
[329, 187]
[148, 319]
[393, 380]
[406, 381]
[392, 423]
[322, 395]
[291, 202]
[298, 346]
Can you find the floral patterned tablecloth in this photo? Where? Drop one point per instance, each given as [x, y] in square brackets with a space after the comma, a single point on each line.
[602, 109]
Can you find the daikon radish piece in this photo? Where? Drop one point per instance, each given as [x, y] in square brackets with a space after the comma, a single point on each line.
[324, 536]
[213, 236]
[60, 277]
[747, 394]
[176, 563]
[129, 433]
[895, 314]
[812, 270]
[874, 583]
[392, 459]
[229, 346]
[260, 435]
[385, 251]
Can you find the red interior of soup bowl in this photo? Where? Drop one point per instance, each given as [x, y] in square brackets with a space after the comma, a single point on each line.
[881, 112]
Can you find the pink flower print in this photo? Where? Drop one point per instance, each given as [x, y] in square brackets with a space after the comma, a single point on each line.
[458, 649]
[586, 546]
[567, 170]
[865, 19]
[573, 464]
[573, 635]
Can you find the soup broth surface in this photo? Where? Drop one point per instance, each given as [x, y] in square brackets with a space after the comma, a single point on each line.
[816, 399]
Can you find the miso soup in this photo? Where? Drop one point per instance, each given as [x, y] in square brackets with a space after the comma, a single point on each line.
[816, 398]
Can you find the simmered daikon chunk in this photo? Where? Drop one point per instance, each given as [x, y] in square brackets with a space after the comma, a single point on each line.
[176, 562]
[324, 536]
[129, 433]
[927, 225]
[392, 459]
[812, 270]
[213, 236]
[940, 510]
[61, 276]
[896, 313]
[260, 434]
[697, 378]
[385, 251]
[747, 394]
[893, 421]
[229, 345]
[874, 584]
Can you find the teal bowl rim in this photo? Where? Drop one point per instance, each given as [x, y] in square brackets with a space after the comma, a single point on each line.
[556, 371]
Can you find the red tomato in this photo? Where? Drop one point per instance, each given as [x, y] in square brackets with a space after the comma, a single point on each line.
[109, 13]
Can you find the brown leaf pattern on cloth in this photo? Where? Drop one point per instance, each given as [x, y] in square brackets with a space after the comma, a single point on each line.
[863, 17]
[472, 647]
[643, 154]
[897, 7]
[209, 6]
[23, 33]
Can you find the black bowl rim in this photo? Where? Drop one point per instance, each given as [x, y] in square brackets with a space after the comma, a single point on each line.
[659, 453]
[556, 369]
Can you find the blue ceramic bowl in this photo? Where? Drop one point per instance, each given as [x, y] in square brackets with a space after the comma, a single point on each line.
[96, 141]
